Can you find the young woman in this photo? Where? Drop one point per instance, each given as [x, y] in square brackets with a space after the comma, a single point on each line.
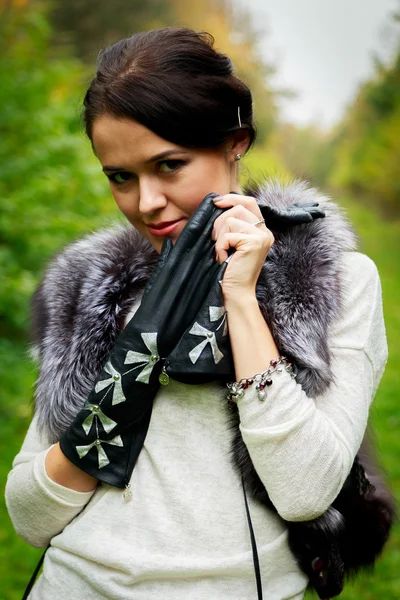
[169, 122]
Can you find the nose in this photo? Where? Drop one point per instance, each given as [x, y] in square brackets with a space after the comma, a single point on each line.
[151, 196]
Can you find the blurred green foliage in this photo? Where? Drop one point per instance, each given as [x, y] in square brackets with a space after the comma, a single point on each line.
[51, 187]
[50, 184]
[305, 152]
[367, 143]
[364, 149]
[360, 156]
[88, 25]
[52, 191]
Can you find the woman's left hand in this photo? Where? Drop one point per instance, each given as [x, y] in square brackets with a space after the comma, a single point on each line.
[235, 229]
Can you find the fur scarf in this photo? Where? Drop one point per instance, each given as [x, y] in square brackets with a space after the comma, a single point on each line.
[87, 290]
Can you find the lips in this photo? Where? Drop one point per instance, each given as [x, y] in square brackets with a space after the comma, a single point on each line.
[164, 228]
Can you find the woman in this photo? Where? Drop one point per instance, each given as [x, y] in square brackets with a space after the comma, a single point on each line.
[169, 122]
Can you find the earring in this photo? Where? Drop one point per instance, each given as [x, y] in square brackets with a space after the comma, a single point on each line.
[238, 156]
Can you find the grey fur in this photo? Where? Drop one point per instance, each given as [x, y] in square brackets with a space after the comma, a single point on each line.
[87, 290]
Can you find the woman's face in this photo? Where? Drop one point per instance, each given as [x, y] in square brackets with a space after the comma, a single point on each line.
[157, 184]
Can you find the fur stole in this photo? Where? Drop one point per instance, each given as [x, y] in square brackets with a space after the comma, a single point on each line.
[87, 290]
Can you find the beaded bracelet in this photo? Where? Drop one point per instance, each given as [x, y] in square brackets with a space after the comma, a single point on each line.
[262, 380]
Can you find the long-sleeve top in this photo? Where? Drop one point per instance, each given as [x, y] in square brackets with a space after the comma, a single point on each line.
[184, 533]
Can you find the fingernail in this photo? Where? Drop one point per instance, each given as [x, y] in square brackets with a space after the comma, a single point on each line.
[217, 198]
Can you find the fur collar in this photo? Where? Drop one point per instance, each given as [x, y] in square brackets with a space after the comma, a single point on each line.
[88, 289]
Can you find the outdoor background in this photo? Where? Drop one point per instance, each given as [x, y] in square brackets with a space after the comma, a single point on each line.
[52, 190]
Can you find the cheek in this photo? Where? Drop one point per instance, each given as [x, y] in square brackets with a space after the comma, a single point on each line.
[215, 177]
[192, 202]
[208, 177]
[125, 203]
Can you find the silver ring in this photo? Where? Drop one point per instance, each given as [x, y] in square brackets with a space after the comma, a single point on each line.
[259, 222]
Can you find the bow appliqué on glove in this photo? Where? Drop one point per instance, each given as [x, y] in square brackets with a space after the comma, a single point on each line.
[102, 456]
[216, 312]
[147, 361]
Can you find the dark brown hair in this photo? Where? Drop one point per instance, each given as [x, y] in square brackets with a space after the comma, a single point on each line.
[172, 81]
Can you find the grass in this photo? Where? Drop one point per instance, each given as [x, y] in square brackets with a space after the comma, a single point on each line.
[381, 241]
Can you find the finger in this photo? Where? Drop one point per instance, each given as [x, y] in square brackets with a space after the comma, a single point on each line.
[231, 240]
[301, 217]
[232, 223]
[239, 212]
[234, 199]
[239, 239]
[306, 204]
[317, 213]
[260, 236]
[266, 209]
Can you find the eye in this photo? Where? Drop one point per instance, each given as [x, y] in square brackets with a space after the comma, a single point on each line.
[121, 177]
[171, 165]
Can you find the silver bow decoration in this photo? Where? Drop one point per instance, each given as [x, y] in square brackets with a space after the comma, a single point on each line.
[102, 456]
[95, 411]
[147, 361]
[216, 312]
[194, 354]
[115, 379]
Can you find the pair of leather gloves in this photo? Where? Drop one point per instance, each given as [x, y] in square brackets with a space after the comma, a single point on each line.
[179, 330]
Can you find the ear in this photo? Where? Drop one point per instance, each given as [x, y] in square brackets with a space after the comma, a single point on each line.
[238, 144]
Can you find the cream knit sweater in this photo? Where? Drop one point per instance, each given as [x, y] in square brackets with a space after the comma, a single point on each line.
[184, 534]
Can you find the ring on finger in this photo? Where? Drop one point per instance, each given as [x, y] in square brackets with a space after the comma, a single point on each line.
[258, 222]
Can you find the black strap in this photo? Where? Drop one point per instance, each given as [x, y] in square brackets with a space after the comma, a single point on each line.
[253, 547]
[35, 574]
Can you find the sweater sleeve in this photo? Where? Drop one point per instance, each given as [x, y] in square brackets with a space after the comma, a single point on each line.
[303, 448]
[30, 493]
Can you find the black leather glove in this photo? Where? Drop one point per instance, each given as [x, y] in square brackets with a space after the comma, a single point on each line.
[295, 214]
[204, 352]
[107, 435]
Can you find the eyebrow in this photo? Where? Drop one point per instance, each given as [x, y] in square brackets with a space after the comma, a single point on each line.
[149, 160]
